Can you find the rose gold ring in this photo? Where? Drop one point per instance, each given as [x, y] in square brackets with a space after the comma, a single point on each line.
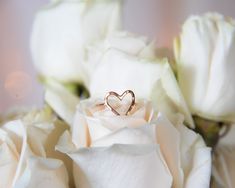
[120, 98]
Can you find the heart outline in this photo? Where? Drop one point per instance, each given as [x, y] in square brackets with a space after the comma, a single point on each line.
[120, 98]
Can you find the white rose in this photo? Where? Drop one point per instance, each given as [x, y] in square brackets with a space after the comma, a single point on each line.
[62, 31]
[205, 53]
[125, 61]
[134, 151]
[23, 154]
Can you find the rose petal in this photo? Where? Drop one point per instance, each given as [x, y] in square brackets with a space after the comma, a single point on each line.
[55, 96]
[168, 138]
[121, 166]
[201, 169]
[42, 172]
[146, 134]
[8, 164]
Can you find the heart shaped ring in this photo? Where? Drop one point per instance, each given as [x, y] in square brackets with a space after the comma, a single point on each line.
[120, 98]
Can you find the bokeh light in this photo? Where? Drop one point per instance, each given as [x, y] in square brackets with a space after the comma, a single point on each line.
[18, 84]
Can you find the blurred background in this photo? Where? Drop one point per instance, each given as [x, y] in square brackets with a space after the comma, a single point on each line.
[159, 19]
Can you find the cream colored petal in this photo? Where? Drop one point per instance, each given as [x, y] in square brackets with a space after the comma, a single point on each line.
[13, 146]
[24, 150]
[80, 131]
[17, 133]
[8, 165]
[61, 100]
[168, 138]
[201, 170]
[113, 123]
[121, 166]
[137, 136]
[65, 143]
[97, 128]
[42, 172]
[5, 139]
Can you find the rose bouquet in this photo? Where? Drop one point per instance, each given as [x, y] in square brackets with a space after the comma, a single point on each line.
[118, 115]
